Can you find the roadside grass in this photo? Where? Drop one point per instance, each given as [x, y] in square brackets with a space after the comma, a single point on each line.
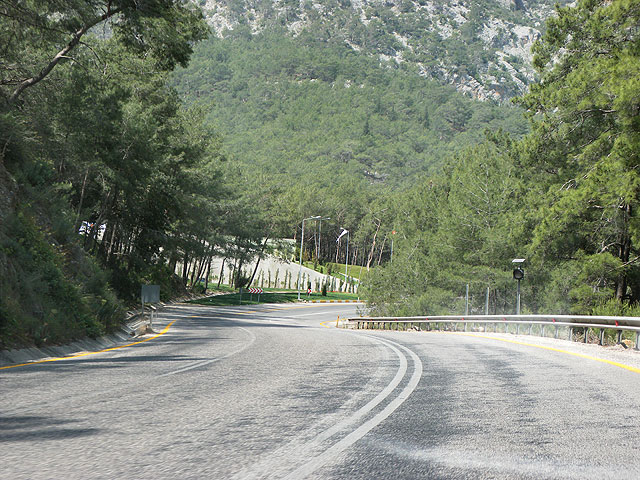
[269, 296]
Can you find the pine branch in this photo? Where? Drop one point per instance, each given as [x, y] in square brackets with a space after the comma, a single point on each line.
[29, 82]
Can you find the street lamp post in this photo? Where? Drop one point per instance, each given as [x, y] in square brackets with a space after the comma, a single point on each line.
[316, 217]
[346, 267]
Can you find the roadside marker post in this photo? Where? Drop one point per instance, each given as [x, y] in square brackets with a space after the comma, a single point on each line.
[255, 290]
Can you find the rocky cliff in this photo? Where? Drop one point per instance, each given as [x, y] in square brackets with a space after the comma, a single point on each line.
[482, 47]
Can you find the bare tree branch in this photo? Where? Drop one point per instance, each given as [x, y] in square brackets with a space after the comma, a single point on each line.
[29, 82]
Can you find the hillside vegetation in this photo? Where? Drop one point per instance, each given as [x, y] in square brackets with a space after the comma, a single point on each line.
[105, 178]
[116, 169]
[304, 111]
[481, 47]
[565, 197]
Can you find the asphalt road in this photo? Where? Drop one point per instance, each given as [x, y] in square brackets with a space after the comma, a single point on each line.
[275, 392]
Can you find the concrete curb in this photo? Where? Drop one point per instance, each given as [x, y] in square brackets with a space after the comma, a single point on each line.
[26, 355]
[135, 325]
[335, 301]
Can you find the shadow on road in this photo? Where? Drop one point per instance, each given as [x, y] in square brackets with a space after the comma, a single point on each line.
[25, 429]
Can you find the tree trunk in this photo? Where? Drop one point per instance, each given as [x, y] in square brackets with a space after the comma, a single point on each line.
[202, 262]
[384, 240]
[221, 273]
[82, 190]
[206, 282]
[173, 261]
[373, 245]
[185, 269]
[623, 253]
[112, 241]
[264, 245]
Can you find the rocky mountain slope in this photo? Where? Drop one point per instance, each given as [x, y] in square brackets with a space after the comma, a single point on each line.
[482, 47]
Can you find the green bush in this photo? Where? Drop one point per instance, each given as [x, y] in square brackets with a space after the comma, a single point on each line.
[49, 293]
[616, 308]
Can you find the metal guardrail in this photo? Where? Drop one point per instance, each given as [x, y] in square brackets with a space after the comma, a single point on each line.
[141, 322]
[505, 323]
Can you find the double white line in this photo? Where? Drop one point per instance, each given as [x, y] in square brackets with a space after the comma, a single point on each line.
[351, 427]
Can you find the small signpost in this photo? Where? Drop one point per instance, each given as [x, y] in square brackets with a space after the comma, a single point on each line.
[255, 290]
[150, 294]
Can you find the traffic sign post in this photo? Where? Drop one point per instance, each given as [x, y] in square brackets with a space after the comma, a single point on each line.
[255, 290]
[149, 294]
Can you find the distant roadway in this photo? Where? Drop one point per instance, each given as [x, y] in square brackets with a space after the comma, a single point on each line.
[276, 391]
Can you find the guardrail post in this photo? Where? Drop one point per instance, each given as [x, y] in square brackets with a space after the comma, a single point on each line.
[637, 340]
[619, 336]
[556, 334]
[571, 334]
[542, 332]
[586, 334]
[530, 327]
[602, 336]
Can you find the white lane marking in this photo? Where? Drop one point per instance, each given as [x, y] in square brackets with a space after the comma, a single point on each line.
[386, 391]
[217, 359]
[294, 453]
[329, 454]
[276, 462]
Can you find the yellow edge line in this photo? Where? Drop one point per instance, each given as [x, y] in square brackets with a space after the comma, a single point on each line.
[581, 355]
[165, 330]
[335, 301]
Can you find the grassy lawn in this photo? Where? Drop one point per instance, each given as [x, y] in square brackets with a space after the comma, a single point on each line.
[278, 296]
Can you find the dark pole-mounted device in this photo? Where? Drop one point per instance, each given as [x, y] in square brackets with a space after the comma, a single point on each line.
[518, 274]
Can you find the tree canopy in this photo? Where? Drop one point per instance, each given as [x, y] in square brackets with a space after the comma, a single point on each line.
[565, 196]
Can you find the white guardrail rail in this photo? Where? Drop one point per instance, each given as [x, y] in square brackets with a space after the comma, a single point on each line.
[568, 327]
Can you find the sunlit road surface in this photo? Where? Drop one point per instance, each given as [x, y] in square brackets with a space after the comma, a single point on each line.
[276, 391]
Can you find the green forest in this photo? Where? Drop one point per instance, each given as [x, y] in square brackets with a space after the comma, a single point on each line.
[135, 146]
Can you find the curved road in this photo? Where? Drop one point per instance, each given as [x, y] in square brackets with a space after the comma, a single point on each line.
[276, 392]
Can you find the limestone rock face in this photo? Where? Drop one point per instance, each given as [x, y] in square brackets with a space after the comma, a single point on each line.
[482, 47]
